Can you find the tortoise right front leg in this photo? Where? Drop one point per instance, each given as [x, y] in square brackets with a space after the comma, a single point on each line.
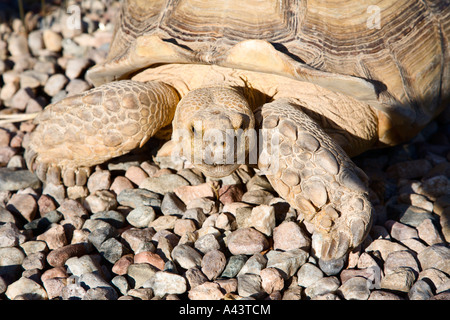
[90, 128]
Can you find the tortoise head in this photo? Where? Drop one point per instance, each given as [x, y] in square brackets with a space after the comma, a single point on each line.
[213, 128]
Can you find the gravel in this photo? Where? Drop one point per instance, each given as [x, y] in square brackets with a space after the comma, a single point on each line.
[145, 229]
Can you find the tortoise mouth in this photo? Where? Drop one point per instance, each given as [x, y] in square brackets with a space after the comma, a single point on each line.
[217, 170]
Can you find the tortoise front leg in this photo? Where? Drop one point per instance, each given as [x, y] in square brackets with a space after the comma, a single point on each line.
[315, 175]
[90, 128]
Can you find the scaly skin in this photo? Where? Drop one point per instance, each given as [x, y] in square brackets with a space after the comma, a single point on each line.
[93, 127]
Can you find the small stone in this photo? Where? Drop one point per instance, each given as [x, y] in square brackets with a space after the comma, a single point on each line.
[141, 217]
[55, 84]
[322, 286]
[6, 154]
[121, 283]
[102, 200]
[195, 277]
[287, 262]
[400, 231]
[114, 218]
[434, 277]
[413, 216]
[263, 219]
[100, 293]
[77, 86]
[139, 273]
[188, 193]
[195, 214]
[308, 274]
[288, 236]
[7, 92]
[227, 285]
[150, 258]
[119, 184]
[398, 259]
[112, 250]
[141, 293]
[58, 257]
[271, 280]
[34, 261]
[121, 265]
[23, 204]
[73, 292]
[73, 212]
[84, 264]
[136, 175]
[18, 45]
[207, 243]
[99, 180]
[230, 193]
[421, 290]
[138, 197]
[59, 272]
[52, 40]
[54, 287]
[436, 256]
[135, 237]
[186, 256]
[93, 280]
[10, 236]
[12, 180]
[206, 291]
[293, 292]
[26, 288]
[183, 226]
[428, 232]
[372, 274]
[385, 247]
[164, 222]
[164, 184]
[30, 247]
[172, 205]
[75, 67]
[164, 283]
[383, 295]
[257, 197]
[249, 285]
[247, 241]
[234, 265]
[77, 192]
[414, 245]
[213, 263]
[54, 237]
[400, 279]
[356, 288]
[46, 204]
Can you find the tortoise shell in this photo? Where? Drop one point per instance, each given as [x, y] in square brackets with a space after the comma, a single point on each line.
[398, 49]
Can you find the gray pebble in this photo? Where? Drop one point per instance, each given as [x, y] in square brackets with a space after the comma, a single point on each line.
[308, 274]
[141, 217]
[112, 250]
[186, 256]
[138, 197]
[11, 180]
[233, 266]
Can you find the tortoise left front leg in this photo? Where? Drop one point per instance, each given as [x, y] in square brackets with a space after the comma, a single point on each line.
[315, 175]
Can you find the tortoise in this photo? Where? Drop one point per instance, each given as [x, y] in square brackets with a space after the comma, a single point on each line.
[317, 81]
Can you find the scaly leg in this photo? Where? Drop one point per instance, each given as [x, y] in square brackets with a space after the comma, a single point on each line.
[90, 128]
[315, 175]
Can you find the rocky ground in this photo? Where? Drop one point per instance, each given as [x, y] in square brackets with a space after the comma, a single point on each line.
[147, 230]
